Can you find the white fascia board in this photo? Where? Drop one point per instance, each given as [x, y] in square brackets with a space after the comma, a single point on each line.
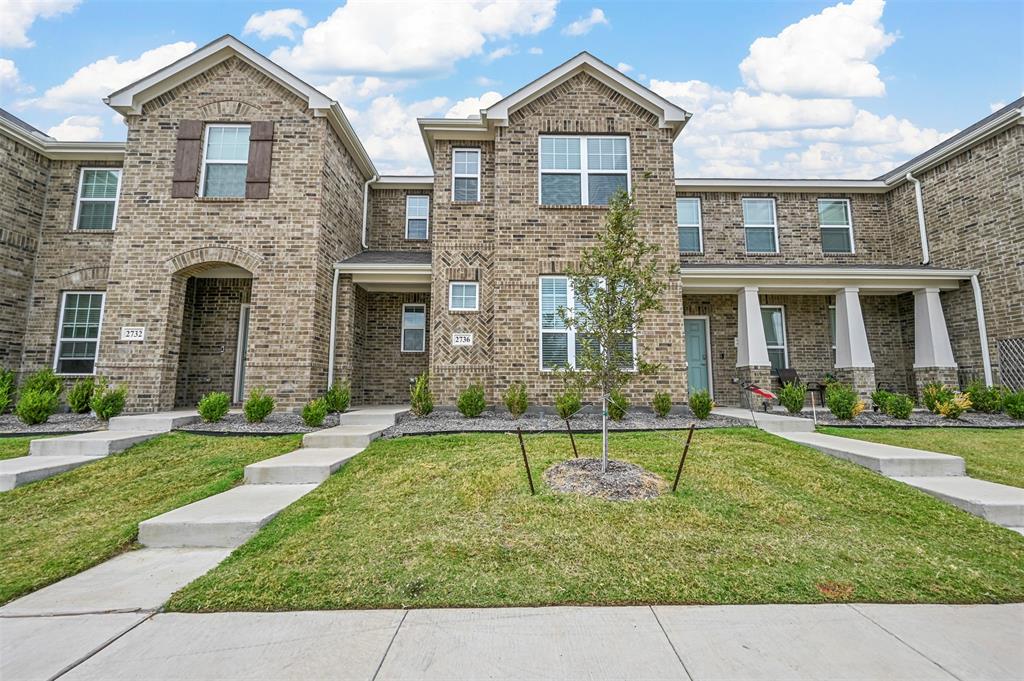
[759, 185]
[820, 279]
[380, 276]
[383, 268]
[64, 151]
[431, 129]
[404, 182]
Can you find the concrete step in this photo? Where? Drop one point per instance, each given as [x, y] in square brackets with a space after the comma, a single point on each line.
[999, 504]
[343, 436]
[224, 520]
[162, 422]
[25, 469]
[769, 422]
[303, 466]
[98, 443]
[383, 417]
[894, 462]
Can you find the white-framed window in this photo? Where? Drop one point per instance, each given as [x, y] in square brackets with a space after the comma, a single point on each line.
[78, 333]
[463, 296]
[688, 219]
[417, 217]
[582, 171]
[99, 190]
[466, 175]
[832, 330]
[559, 344]
[836, 221]
[414, 327]
[773, 318]
[225, 160]
[762, 231]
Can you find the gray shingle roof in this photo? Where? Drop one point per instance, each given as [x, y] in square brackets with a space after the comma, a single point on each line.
[389, 258]
[11, 118]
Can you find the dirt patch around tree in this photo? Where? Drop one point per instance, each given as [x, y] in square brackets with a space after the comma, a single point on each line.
[623, 481]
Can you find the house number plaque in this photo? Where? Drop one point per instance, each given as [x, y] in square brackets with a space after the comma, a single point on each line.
[462, 339]
[133, 333]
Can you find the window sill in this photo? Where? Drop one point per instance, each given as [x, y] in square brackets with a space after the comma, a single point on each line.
[451, 311]
[465, 203]
[417, 241]
[570, 206]
[689, 253]
[838, 254]
[220, 199]
[75, 230]
[770, 254]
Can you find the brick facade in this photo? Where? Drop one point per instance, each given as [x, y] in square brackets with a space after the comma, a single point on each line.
[386, 224]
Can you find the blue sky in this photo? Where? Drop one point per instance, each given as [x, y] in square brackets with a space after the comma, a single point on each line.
[812, 89]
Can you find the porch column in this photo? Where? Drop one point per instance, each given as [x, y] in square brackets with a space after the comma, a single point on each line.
[752, 363]
[933, 354]
[853, 356]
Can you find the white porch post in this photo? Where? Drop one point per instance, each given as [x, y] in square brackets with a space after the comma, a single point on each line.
[852, 351]
[751, 347]
[931, 339]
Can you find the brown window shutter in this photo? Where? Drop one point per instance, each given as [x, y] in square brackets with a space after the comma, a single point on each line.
[186, 159]
[257, 176]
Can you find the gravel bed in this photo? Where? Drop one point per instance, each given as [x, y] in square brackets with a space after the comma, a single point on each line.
[918, 419]
[275, 424]
[623, 481]
[58, 423]
[492, 421]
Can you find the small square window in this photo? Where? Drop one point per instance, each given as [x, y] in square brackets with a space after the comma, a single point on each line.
[463, 296]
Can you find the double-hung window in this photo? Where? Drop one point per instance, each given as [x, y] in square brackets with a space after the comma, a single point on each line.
[688, 219]
[762, 234]
[836, 225]
[466, 175]
[582, 171]
[417, 216]
[225, 161]
[559, 345]
[78, 335]
[464, 296]
[414, 327]
[98, 192]
[773, 318]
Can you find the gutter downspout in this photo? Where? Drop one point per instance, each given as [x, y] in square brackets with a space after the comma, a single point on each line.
[925, 257]
[366, 200]
[979, 310]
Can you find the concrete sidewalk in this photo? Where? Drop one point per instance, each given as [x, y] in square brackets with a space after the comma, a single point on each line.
[661, 642]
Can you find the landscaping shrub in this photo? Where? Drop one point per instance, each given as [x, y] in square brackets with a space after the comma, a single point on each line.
[792, 396]
[567, 403]
[898, 406]
[933, 393]
[1013, 404]
[701, 404]
[471, 401]
[985, 399]
[843, 401]
[421, 400]
[43, 380]
[314, 413]
[951, 407]
[214, 406]
[108, 401]
[515, 400]
[879, 398]
[36, 406]
[259, 406]
[6, 389]
[662, 404]
[338, 397]
[618, 405]
[81, 394]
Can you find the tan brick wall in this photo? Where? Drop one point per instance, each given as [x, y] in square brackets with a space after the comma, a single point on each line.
[386, 370]
[386, 227]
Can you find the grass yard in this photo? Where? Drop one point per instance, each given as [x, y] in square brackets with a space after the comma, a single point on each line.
[58, 527]
[449, 521]
[11, 447]
[995, 455]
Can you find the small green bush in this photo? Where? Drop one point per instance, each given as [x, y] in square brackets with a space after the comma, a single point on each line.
[792, 396]
[36, 406]
[662, 404]
[6, 389]
[898, 406]
[107, 401]
[879, 398]
[701, 404]
[471, 402]
[515, 400]
[259, 406]
[338, 397]
[214, 406]
[1013, 404]
[43, 380]
[421, 400]
[843, 401]
[618, 405]
[81, 394]
[953, 406]
[985, 399]
[314, 413]
[933, 393]
[567, 403]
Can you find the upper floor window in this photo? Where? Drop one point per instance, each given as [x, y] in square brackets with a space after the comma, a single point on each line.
[836, 225]
[225, 161]
[98, 192]
[762, 231]
[464, 296]
[582, 171]
[773, 318]
[417, 216]
[78, 334]
[559, 344]
[688, 219]
[466, 175]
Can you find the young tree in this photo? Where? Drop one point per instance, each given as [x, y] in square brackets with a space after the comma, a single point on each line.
[614, 285]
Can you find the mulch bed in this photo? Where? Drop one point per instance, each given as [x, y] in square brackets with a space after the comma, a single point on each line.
[918, 419]
[623, 481]
[284, 423]
[10, 425]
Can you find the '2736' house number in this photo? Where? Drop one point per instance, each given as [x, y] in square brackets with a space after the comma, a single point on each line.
[462, 339]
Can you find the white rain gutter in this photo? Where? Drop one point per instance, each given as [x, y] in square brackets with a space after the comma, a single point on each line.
[979, 310]
[366, 200]
[925, 257]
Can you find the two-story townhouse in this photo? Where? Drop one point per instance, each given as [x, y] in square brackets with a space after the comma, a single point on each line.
[242, 237]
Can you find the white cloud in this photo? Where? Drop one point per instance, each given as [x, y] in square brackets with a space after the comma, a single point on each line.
[10, 79]
[275, 23]
[484, 81]
[583, 25]
[624, 67]
[424, 37]
[17, 16]
[828, 54]
[347, 89]
[470, 106]
[536, 50]
[390, 134]
[500, 53]
[996, 106]
[78, 129]
[89, 84]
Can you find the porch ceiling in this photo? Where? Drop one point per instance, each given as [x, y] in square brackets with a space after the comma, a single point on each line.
[818, 280]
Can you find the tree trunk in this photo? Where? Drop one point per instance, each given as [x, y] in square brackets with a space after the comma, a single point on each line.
[604, 433]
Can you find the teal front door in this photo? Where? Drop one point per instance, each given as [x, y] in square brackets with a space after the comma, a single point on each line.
[698, 359]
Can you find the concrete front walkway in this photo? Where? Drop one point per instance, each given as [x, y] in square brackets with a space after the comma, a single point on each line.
[947, 642]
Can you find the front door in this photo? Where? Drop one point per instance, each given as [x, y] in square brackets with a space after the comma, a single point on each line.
[240, 353]
[698, 355]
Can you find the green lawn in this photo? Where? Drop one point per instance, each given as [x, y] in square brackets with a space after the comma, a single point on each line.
[449, 521]
[57, 527]
[11, 447]
[996, 455]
